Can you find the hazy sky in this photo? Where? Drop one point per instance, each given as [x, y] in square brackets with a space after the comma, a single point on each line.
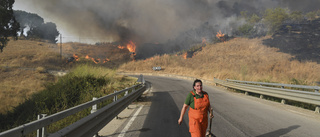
[146, 20]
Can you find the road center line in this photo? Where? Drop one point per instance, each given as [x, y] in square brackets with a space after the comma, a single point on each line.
[125, 129]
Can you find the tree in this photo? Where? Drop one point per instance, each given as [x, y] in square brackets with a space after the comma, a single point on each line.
[46, 31]
[254, 19]
[274, 18]
[26, 19]
[296, 16]
[311, 15]
[37, 28]
[8, 25]
[246, 30]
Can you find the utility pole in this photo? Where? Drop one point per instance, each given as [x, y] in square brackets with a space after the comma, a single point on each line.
[60, 46]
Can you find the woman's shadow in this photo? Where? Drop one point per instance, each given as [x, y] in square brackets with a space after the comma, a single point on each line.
[279, 132]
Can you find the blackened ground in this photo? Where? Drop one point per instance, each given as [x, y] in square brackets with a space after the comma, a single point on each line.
[300, 40]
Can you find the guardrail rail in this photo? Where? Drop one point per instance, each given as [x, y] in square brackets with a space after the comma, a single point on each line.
[89, 125]
[282, 93]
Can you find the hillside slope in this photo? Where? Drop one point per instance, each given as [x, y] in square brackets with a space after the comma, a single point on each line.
[239, 58]
[23, 65]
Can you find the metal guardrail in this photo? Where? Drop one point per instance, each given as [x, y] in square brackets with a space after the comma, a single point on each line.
[87, 126]
[315, 88]
[289, 94]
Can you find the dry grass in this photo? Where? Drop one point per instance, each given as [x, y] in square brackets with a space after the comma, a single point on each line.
[16, 85]
[240, 58]
[22, 64]
[31, 54]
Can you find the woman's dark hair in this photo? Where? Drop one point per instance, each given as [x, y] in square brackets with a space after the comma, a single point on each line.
[196, 81]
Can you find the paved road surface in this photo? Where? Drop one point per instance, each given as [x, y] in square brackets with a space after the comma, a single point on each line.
[236, 115]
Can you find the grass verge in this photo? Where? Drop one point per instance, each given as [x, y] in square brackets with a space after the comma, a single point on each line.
[79, 86]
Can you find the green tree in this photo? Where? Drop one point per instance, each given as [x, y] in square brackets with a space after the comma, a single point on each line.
[26, 19]
[274, 18]
[8, 24]
[296, 16]
[311, 15]
[254, 19]
[46, 31]
[246, 30]
[244, 14]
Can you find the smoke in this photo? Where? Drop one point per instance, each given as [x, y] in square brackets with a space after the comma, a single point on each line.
[152, 21]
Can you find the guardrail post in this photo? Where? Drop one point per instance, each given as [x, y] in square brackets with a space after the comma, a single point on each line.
[94, 107]
[126, 93]
[283, 101]
[261, 96]
[246, 93]
[214, 80]
[317, 109]
[115, 98]
[133, 90]
[42, 131]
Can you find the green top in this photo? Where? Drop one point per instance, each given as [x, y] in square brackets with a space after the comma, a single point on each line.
[190, 101]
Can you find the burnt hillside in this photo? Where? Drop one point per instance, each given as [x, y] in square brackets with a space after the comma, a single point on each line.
[300, 40]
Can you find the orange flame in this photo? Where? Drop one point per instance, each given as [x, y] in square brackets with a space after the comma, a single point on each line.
[97, 61]
[220, 35]
[106, 60]
[87, 57]
[131, 46]
[121, 47]
[185, 55]
[76, 57]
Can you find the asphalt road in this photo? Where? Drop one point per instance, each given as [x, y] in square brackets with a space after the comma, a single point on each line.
[236, 115]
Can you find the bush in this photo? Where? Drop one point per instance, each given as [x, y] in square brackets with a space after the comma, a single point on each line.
[69, 91]
[246, 30]
[40, 69]
[77, 87]
[274, 18]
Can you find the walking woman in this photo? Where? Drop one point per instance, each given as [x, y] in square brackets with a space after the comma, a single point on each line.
[199, 103]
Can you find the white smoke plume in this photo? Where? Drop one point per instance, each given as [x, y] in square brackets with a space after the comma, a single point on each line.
[151, 20]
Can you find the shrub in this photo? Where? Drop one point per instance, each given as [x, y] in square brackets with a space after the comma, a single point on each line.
[40, 69]
[77, 87]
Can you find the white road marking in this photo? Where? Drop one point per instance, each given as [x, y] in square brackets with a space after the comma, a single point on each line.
[125, 129]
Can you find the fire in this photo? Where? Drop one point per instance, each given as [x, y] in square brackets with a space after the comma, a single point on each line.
[131, 46]
[121, 47]
[185, 55]
[96, 61]
[106, 60]
[220, 35]
[76, 57]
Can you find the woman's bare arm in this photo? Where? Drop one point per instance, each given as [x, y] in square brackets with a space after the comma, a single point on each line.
[183, 111]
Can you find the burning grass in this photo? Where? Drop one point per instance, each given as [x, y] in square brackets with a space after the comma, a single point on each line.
[23, 66]
[106, 54]
[240, 58]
